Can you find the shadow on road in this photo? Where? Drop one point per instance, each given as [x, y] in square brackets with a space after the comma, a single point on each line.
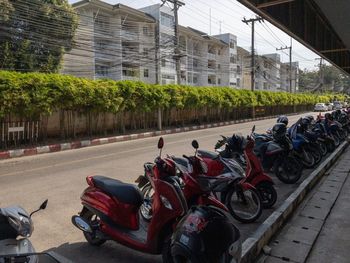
[109, 252]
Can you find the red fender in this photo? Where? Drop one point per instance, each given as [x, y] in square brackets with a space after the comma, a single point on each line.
[261, 178]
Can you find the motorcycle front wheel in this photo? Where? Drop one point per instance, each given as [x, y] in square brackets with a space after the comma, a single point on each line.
[244, 205]
[288, 170]
[267, 193]
[146, 207]
[323, 148]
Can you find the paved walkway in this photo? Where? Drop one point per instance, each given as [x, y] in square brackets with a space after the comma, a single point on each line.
[320, 230]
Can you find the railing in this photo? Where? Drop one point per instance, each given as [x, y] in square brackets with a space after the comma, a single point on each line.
[19, 132]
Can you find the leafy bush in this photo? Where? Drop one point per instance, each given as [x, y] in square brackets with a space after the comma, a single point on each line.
[33, 94]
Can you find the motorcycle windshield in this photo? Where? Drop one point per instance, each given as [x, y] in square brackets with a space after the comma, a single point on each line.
[182, 164]
[233, 166]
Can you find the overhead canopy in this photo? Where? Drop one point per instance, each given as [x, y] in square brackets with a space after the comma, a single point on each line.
[321, 25]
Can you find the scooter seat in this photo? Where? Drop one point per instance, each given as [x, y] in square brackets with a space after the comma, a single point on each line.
[126, 193]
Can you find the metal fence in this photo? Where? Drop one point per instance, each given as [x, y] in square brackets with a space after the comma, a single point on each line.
[18, 132]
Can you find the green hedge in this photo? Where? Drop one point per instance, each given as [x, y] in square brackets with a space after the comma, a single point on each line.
[33, 94]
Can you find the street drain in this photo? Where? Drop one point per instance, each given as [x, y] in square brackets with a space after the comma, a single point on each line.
[304, 227]
[311, 217]
[317, 206]
[296, 241]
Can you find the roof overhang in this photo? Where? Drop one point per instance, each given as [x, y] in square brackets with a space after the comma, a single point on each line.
[321, 25]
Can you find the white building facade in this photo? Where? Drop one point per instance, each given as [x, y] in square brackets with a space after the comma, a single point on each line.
[122, 43]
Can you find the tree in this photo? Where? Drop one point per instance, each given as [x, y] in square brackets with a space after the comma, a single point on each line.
[6, 9]
[35, 34]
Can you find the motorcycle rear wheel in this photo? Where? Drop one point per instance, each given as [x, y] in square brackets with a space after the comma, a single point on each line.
[244, 205]
[93, 219]
[289, 170]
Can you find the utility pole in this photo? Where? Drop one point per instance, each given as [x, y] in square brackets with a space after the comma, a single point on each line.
[290, 63]
[321, 72]
[177, 4]
[252, 20]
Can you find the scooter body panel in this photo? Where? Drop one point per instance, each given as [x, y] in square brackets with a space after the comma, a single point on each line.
[122, 214]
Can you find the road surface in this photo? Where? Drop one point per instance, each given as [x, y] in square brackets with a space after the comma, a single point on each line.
[60, 177]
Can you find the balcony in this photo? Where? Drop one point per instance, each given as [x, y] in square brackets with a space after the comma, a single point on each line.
[211, 56]
[128, 35]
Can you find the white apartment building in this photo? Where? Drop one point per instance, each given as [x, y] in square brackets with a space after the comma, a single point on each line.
[267, 72]
[285, 77]
[112, 41]
[123, 43]
[205, 59]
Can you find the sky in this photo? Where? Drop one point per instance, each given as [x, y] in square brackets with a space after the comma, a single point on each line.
[208, 15]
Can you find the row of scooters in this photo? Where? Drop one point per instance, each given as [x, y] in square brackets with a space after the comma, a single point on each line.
[183, 206]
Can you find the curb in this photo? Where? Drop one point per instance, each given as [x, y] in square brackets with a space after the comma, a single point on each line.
[253, 245]
[86, 143]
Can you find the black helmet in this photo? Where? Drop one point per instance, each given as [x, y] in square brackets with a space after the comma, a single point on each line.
[279, 131]
[305, 122]
[236, 143]
[328, 116]
[282, 119]
[205, 235]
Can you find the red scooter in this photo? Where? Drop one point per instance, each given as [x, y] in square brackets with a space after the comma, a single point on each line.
[111, 210]
[241, 150]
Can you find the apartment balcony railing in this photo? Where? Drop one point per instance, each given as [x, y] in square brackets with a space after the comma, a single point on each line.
[211, 56]
[129, 35]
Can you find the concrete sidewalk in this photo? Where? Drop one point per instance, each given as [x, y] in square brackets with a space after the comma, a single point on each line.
[320, 229]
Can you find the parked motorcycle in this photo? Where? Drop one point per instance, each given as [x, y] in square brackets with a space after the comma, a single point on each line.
[111, 210]
[241, 150]
[301, 146]
[276, 154]
[226, 178]
[16, 226]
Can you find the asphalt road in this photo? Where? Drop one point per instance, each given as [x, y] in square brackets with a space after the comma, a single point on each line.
[60, 177]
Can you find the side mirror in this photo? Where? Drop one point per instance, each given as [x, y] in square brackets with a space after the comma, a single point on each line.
[195, 144]
[160, 143]
[43, 205]
[253, 129]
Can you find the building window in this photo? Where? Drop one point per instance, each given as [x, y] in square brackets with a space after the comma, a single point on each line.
[219, 52]
[219, 66]
[130, 73]
[232, 44]
[102, 70]
[195, 63]
[238, 82]
[145, 30]
[219, 81]
[101, 45]
[195, 79]
[163, 62]
[145, 73]
[239, 70]
[145, 52]
[232, 59]
[172, 77]
[166, 20]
